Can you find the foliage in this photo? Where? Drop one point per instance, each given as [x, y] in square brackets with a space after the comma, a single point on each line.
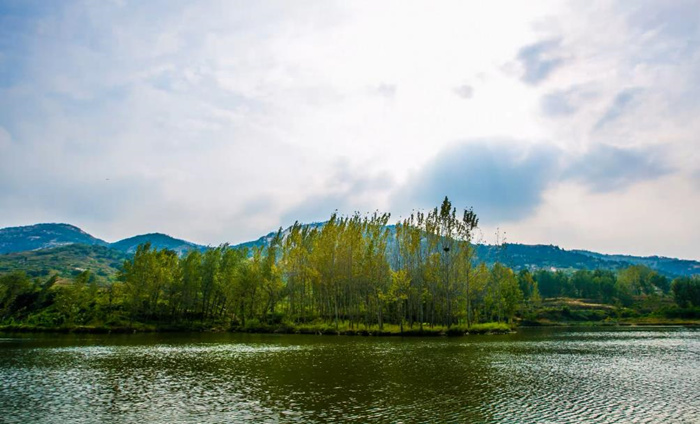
[352, 275]
[65, 261]
[686, 291]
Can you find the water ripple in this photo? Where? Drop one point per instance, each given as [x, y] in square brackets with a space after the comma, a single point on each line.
[555, 376]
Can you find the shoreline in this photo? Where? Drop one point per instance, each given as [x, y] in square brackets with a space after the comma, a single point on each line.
[308, 330]
[624, 323]
[456, 331]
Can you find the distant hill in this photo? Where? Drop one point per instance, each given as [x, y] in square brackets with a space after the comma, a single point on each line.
[66, 261]
[157, 240]
[524, 256]
[668, 266]
[47, 236]
[45, 249]
[44, 236]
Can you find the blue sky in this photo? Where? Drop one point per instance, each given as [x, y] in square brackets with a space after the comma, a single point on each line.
[569, 123]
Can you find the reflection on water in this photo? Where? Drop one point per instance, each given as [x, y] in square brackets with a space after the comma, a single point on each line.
[546, 375]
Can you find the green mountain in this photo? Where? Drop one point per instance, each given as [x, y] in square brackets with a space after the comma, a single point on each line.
[66, 261]
[157, 240]
[45, 249]
[668, 266]
[523, 256]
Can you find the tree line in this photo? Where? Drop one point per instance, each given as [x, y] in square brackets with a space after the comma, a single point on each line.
[354, 271]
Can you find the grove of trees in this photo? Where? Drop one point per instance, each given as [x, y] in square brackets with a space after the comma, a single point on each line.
[354, 271]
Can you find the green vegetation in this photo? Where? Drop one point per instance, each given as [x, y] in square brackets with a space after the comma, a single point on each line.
[686, 291]
[66, 262]
[340, 278]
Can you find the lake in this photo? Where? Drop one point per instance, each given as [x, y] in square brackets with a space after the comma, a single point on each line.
[556, 375]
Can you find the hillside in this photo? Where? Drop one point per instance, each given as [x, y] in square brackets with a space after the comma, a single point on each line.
[47, 236]
[44, 236]
[523, 256]
[668, 266]
[158, 241]
[66, 261]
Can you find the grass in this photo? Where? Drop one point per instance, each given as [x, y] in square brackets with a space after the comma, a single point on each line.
[345, 329]
[87, 329]
[660, 321]
[580, 312]
[482, 328]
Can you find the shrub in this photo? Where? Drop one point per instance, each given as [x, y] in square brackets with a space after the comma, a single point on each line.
[490, 328]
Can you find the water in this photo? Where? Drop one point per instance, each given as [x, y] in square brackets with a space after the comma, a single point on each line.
[537, 375]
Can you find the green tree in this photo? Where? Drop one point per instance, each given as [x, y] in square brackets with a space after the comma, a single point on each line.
[12, 287]
[73, 301]
[686, 291]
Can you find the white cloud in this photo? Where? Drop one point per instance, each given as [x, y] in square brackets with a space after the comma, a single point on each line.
[217, 121]
[464, 91]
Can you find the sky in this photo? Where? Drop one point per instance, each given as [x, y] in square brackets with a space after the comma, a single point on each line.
[567, 123]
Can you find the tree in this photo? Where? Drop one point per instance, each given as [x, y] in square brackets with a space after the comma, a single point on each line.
[73, 301]
[12, 286]
[606, 281]
[504, 294]
[551, 283]
[529, 288]
[146, 278]
[188, 297]
[686, 291]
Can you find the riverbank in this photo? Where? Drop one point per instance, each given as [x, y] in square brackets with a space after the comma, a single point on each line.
[571, 312]
[388, 330]
[641, 322]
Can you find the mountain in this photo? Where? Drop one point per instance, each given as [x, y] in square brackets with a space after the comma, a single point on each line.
[44, 248]
[158, 241]
[44, 236]
[66, 261]
[668, 266]
[524, 256]
[47, 236]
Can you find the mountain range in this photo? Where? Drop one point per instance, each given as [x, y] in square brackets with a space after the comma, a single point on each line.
[44, 249]
[46, 236]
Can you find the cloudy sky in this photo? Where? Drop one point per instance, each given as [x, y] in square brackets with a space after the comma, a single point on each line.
[574, 124]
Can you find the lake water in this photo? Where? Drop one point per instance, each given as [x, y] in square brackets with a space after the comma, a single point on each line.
[537, 375]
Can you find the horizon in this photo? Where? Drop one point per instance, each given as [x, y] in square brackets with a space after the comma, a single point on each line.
[559, 123]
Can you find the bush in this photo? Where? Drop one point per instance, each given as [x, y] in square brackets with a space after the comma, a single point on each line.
[285, 328]
[676, 312]
[457, 330]
[254, 325]
[490, 328]
[274, 318]
[315, 328]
